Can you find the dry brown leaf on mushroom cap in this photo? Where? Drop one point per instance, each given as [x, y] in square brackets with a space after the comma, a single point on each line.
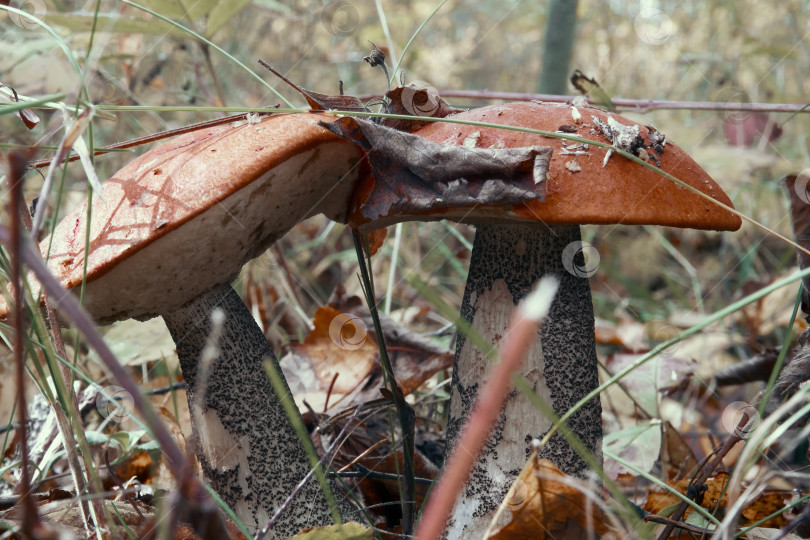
[620, 192]
[415, 99]
[416, 176]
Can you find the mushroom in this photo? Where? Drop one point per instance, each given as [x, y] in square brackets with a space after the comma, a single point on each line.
[167, 235]
[515, 246]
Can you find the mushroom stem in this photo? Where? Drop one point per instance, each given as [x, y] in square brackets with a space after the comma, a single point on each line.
[561, 366]
[248, 451]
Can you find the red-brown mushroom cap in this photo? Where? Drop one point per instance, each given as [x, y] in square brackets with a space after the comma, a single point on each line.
[579, 189]
[185, 216]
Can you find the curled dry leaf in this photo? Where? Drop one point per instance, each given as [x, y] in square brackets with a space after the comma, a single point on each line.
[412, 98]
[544, 505]
[589, 87]
[414, 175]
[29, 118]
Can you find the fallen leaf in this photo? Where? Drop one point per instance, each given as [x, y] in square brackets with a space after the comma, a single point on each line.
[413, 98]
[543, 505]
[336, 354]
[414, 175]
[589, 87]
[764, 533]
[746, 129]
[715, 498]
[676, 455]
[380, 496]
[639, 444]
[347, 531]
[414, 358]
[29, 118]
[65, 516]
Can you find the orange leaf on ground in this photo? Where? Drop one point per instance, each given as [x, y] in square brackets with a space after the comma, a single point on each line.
[543, 505]
[339, 344]
[715, 498]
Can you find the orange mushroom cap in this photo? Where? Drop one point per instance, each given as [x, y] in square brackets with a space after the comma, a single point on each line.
[579, 188]
[186, 215]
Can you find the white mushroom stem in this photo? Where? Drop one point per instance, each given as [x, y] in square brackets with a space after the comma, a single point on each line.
[506, 262]
[247, 447]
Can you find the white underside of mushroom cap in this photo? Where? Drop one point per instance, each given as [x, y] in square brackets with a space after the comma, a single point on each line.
[211, 248]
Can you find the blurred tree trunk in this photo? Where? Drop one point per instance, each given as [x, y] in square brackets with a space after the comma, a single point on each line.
[558, 46]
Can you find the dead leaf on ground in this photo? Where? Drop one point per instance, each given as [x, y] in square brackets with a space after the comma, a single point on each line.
[639, 444]
[773, 311]
[381, 495]
[337, 353]
[543, 505]
[64, 515]
[676, 456]
[343, 342]
[764, 533]
[347, 531]
[645, 382]
[715, 498]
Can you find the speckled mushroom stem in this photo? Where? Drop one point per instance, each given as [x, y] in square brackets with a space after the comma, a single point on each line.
[247, 447]
[506, 262]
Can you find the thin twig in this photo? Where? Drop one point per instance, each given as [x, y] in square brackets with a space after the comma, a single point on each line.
[639, 105]
[118, 483]
[365, 472]
[678, 524]
[17, 164]
[707, 472]
[407, 418]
